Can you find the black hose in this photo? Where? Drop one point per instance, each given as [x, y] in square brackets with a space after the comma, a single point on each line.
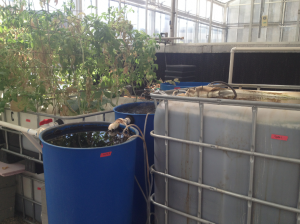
[226, 84]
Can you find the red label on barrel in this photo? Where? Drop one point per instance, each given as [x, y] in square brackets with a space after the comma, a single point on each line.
[39, 188]
[280, 137]
[27, 120]
[105, 154]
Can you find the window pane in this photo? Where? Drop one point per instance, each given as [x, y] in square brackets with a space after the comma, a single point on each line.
[232, 35]
[221, 35]
[244, 14]
[289, 34]
[203, 7]
[256, 13]
[102, 6]
[190, 32]
[166, 2]
[204, 33]
[263, 34]
[208, 4]
[273, 34]
[165, 28]
[233, 14]
[114, 4]
[150, 23]
[85, 5]
[181, 5]
[242, 35]
[181, 27]
[191, 6]
[7, 2]
[53, 6]
[132, 16]
[217, 13]
[157, 23]
[35, 5]
[291, 11]
[214, 35]
[141, 19]
[274, 12]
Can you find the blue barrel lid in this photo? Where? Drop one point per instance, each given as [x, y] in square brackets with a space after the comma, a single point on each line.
[167, 86]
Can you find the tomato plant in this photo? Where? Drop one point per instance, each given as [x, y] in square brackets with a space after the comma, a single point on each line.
[74, 62]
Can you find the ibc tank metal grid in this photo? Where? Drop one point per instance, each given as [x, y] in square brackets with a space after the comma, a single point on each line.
[252, 154]
[23, 197]
[38, 117]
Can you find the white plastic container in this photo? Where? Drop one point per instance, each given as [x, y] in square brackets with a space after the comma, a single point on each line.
[32, 189]
[277, 133]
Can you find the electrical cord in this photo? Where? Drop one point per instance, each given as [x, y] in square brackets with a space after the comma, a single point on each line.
[140, 188]
[145, 146]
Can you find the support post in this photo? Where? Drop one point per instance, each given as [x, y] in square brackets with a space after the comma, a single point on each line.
[262, 8]
[282, 20]
[210, 21]
[146, 17]
[197, 22]
[172, 21]
[224, 31]
[167, 160]
[251, 21]
[252, 159]
[201, 110]
[297, 27]
[176, 17]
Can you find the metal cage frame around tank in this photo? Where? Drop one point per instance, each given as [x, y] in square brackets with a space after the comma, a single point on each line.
[252, 154]
[38, 115]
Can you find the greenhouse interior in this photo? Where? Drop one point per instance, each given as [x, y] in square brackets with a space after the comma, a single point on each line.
[149, 112]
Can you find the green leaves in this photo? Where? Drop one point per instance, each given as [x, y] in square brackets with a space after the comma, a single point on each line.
[45, 54]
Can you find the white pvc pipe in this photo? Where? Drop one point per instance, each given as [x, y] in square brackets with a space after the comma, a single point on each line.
[256, 49]
[170, 38]
[297, 28]
[19, 128]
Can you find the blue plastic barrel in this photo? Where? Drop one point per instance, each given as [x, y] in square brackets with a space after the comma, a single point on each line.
[139, 205]
[168, 86]
[88, 185]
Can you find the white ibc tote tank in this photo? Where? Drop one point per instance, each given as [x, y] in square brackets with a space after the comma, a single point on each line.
[247, 170]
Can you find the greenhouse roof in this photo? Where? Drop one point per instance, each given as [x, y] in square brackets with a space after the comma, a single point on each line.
[224, 1]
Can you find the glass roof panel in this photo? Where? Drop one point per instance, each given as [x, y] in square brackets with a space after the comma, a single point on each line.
[224, 1]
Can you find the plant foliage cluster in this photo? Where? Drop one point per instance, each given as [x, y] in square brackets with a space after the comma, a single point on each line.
[73, 62]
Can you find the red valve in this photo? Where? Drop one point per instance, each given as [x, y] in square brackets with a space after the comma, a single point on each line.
[45, 121]
[177, 88]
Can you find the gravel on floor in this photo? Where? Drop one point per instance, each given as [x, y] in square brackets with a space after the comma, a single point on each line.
[18, 219]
